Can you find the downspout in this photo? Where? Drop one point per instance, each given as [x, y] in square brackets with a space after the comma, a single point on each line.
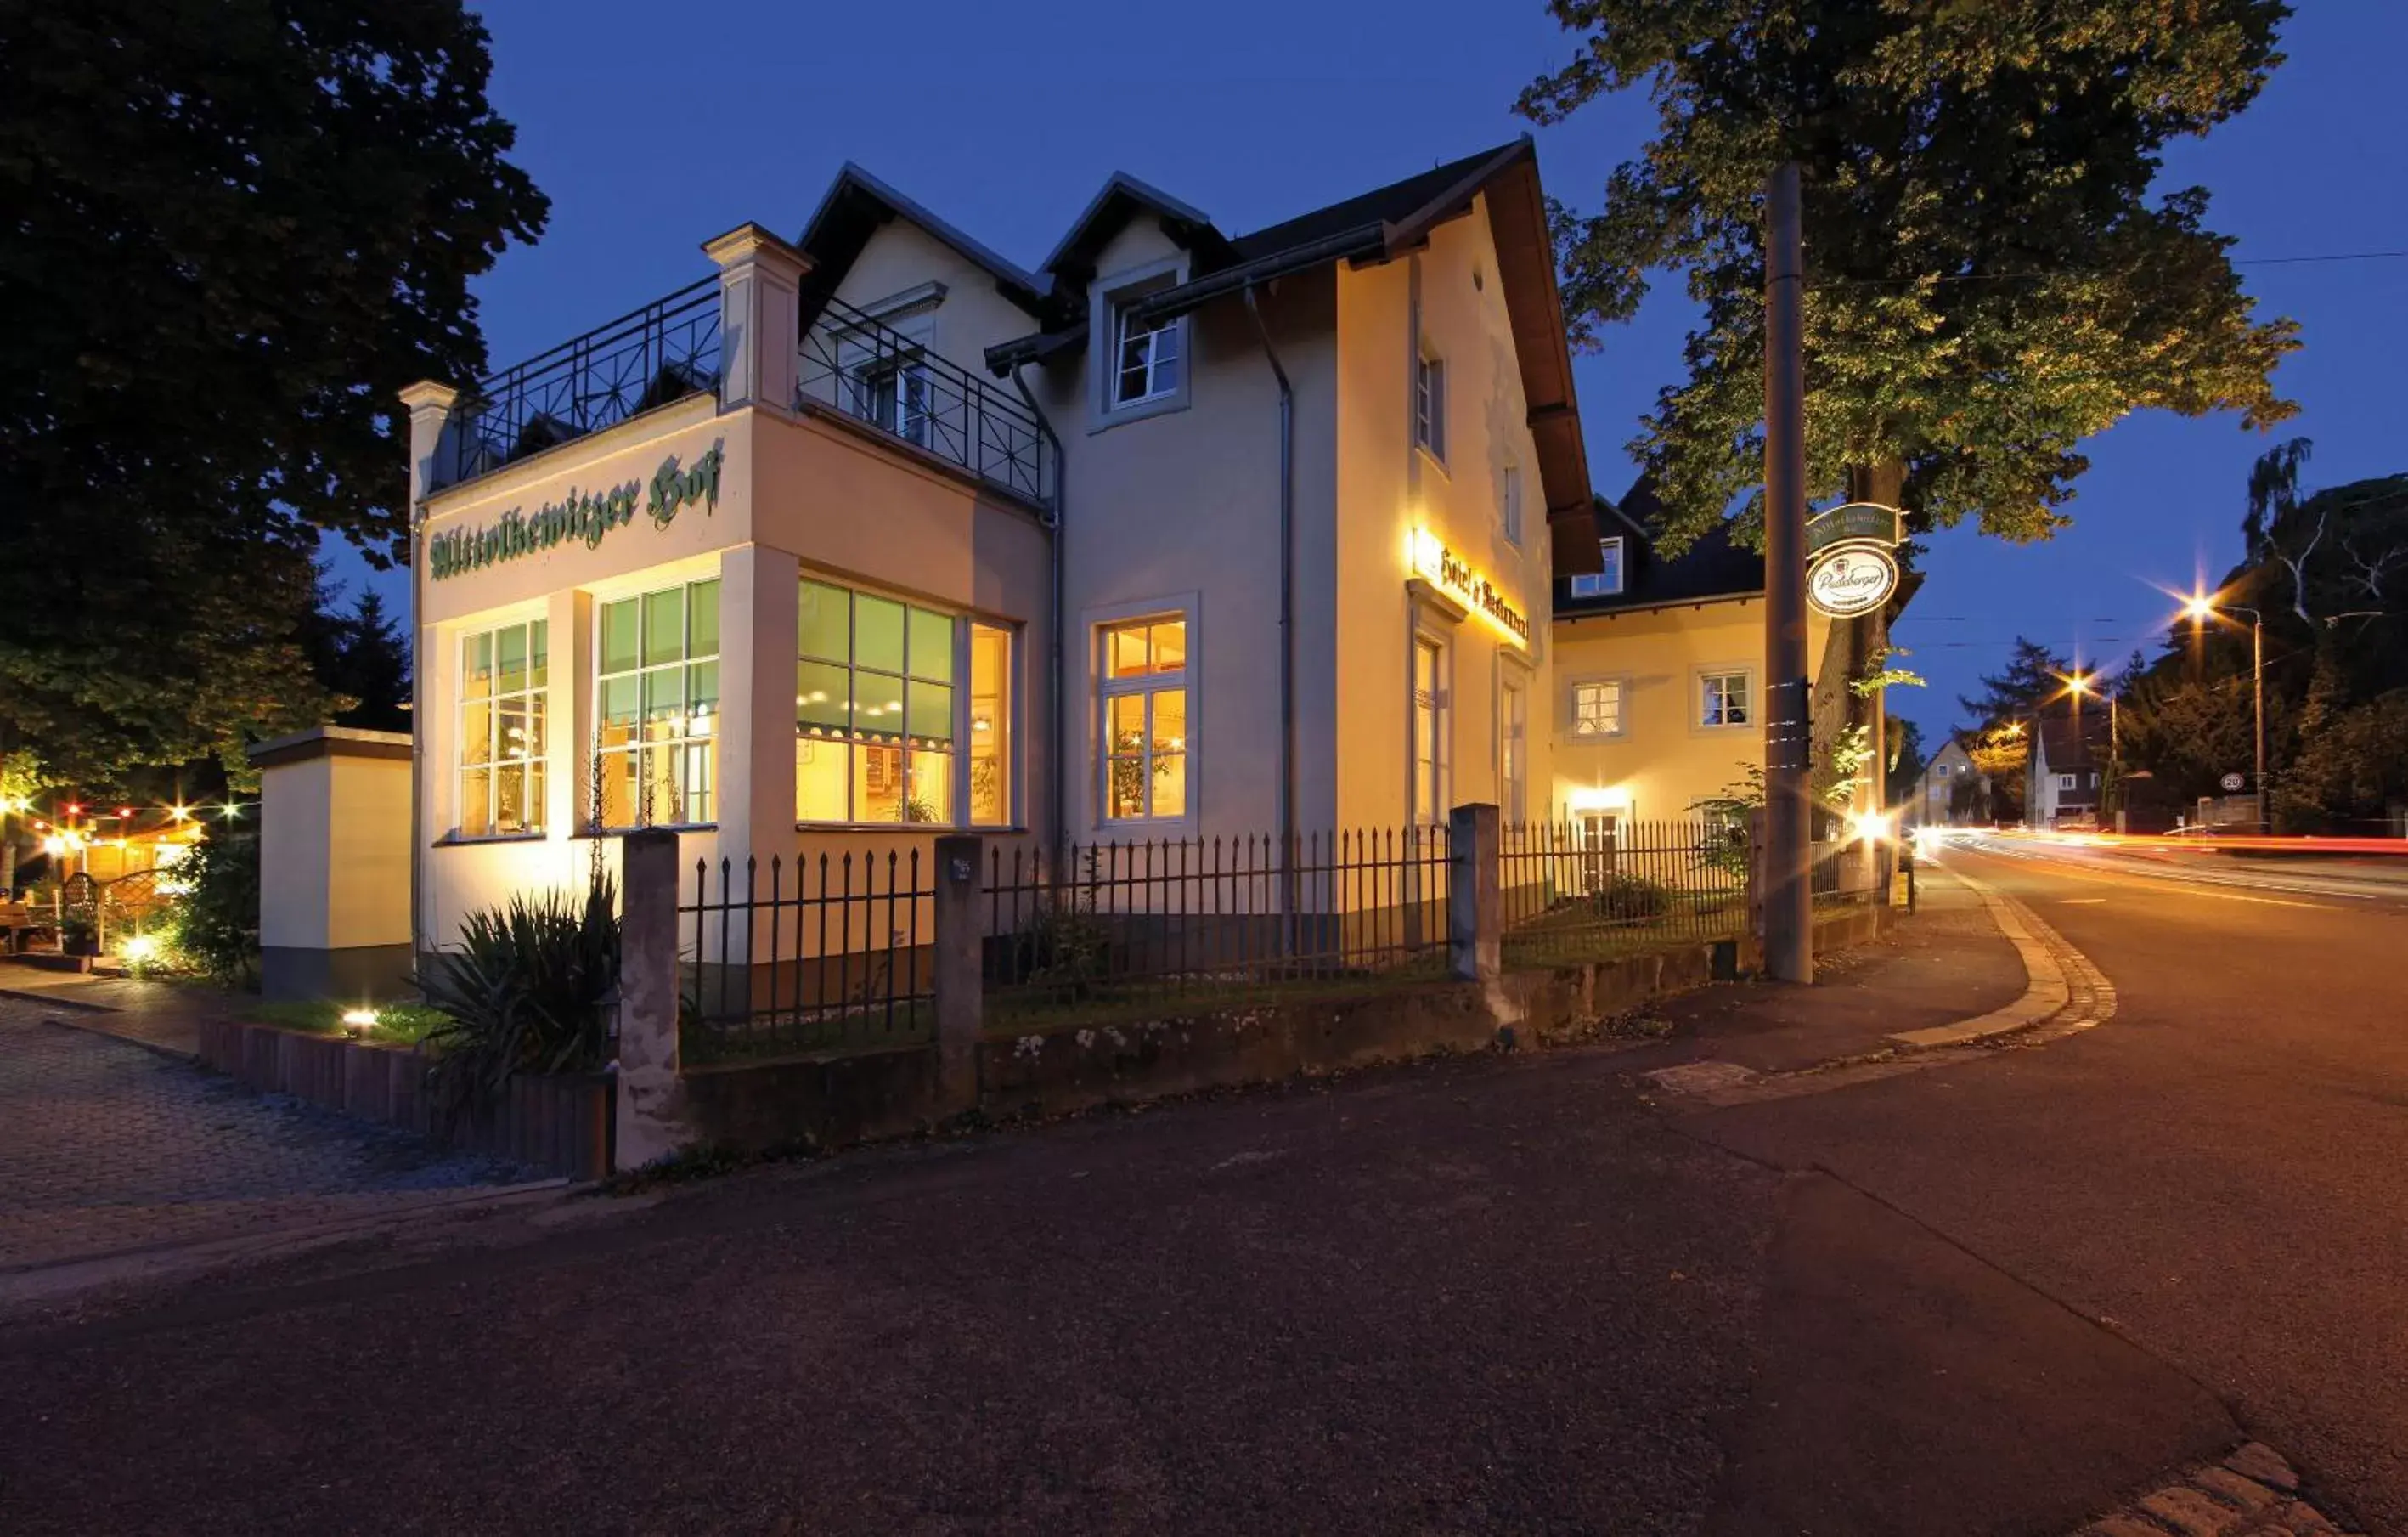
[1057, 758]
[1287, 608]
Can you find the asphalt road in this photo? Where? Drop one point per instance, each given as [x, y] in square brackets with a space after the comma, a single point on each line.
[1501, 1294]
[2221, 1172]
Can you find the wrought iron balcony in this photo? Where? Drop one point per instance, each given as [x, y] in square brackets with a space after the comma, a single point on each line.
[860, 368]
[663, 352]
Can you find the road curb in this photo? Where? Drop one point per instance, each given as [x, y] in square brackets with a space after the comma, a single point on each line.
[2047, 991]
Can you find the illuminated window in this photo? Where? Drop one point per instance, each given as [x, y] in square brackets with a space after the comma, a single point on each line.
[657, 707]
[990, 730]
[1597, 708]
[1143, 694]
[1432, 731]
[874, 709]
[1606, 582]
[503, 684]
[1511, 751]
[1725, 699]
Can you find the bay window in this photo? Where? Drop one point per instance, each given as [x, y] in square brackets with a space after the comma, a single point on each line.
[657, 707]
[880, 717]
[504, 680]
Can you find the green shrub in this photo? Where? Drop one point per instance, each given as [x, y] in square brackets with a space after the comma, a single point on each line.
[1063, 947]
[216, 913]
[1630, 898]
[525, 991]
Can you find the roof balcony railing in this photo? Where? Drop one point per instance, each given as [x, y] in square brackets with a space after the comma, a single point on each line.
[661, 353]
[862, 368]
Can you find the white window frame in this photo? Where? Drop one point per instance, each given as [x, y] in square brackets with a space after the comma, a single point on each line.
[1429, 403]
[2069, 782]
[688, 742]
[1101, 627]
[1513, 744]
[1509, 503]
[958, 775]
[1111, 296]
[1753, 701]
[1610, 581]
[536, 763]
[1430, 809]
[1620, 685]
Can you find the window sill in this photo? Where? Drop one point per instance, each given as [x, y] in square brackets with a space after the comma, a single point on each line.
[464, 840]
[1436, 459]
[1138, 410]
[588, 833]
[940, 827]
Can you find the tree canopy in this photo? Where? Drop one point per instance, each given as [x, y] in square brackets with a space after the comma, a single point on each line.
[2033, 676]
[1989, 281]
[236, 229]
[2326, 572]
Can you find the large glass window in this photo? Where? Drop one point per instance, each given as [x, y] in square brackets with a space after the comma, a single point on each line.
[990, 733]
[1431, 731]
[1146, 714]
[658, 706]
[874, 709]
[504, 678]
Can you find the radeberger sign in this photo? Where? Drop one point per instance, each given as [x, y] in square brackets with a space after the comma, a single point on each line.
[1851, 583]
[1441, 567]
[1850, 569]
[581, 517]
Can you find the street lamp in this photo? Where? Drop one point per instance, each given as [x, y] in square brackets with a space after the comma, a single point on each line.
[2200, 607]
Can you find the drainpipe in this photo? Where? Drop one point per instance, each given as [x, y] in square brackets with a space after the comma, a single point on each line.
[417, 738]
[1287, 608]
[1057, 757]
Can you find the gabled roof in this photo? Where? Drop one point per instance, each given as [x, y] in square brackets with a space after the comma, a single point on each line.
[1123, 198]
[1716, 568]
[857, 204]
[1378, 225]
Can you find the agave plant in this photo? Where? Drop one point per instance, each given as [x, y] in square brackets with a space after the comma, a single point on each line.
[528, 990]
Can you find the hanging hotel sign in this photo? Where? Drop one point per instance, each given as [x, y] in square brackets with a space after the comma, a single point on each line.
[1443, 568]
[1849, 568]
[581, 517]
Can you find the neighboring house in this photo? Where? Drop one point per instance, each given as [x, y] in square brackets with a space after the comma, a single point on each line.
[2066, 765]
[1943, 795]
[880, 531]
[1658, 672]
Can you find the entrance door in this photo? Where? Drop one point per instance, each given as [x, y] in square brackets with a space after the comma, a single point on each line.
[1596, 838]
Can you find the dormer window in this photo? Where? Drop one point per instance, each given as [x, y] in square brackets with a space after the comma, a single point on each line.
[1606, 581]
[1148, 362]
[1141, 363]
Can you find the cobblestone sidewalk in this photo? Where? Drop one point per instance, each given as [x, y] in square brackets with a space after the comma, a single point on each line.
[105, 1146]
[2252, 1493]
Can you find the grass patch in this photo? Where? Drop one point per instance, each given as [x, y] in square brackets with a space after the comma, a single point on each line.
[397, 1023]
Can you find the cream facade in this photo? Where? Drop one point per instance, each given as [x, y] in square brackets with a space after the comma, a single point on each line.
[1658, 680]
[1179, 536]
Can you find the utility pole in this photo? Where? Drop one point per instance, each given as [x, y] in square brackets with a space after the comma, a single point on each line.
[1788, 888]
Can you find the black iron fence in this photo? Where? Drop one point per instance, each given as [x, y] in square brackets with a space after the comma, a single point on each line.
[873, 373]
[1113, 925]
[832, 952]
[663, 352]
[1590, 890]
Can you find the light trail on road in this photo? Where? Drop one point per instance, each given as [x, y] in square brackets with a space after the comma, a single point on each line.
[2137, 862]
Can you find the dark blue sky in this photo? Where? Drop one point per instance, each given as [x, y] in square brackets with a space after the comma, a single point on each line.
[654, 127]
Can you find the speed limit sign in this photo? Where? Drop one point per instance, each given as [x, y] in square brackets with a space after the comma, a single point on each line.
[2232, 784]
